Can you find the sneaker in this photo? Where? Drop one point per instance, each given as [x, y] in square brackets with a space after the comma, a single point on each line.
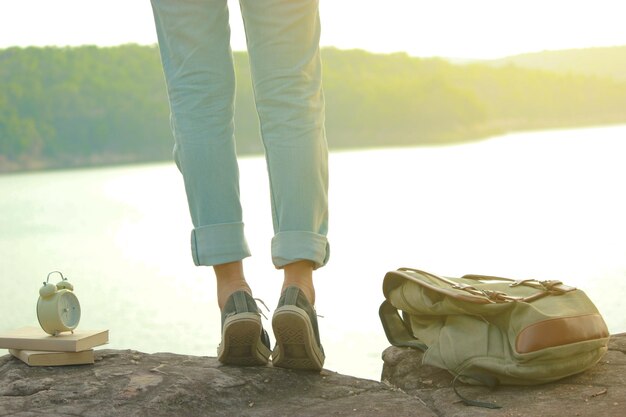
[244, 341]
[297, 335]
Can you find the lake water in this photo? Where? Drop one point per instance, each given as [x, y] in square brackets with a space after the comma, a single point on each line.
[545, 204]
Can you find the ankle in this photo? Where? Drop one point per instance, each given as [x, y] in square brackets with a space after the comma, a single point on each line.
[224, 291]
[229, 278]
[308, 291]
[300, 274]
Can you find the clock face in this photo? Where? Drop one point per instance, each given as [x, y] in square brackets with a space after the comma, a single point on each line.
[69, 309]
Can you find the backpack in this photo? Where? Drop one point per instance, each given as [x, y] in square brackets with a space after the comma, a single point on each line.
[491, 330]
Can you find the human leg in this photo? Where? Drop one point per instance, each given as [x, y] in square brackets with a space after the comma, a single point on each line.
[283, 45]
[194, 41]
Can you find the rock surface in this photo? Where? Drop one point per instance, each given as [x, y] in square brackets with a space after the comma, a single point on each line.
[599, 392]
[130, 383]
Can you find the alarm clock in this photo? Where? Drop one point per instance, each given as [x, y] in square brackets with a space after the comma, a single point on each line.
[58, 309]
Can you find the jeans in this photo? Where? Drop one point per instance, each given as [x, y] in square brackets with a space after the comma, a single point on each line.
[283, 47]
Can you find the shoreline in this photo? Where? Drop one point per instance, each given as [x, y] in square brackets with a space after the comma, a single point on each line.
[467, 135]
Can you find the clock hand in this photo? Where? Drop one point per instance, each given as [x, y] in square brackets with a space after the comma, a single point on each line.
[65, 308]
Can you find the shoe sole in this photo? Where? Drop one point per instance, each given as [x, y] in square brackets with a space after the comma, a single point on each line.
[296, 347]
[241, 341]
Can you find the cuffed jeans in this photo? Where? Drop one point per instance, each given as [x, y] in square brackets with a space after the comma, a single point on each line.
[283, 46]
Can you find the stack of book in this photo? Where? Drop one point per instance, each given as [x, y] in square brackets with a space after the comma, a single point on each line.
[37, 348]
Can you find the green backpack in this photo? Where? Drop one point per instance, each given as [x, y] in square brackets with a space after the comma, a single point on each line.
[490, 330]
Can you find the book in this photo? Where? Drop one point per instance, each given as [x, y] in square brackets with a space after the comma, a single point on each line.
[34, 338]
[41, 358]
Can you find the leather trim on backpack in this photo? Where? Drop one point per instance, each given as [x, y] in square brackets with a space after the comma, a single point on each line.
[560, 331]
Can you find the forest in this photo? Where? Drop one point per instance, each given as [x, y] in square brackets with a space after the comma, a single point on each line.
[601, 61]
[88, 105]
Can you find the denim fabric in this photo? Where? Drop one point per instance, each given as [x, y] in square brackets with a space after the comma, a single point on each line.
[283, 46]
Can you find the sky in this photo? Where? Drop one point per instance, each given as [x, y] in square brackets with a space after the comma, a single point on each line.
[479, 29]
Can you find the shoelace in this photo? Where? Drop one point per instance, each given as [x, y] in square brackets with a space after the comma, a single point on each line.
[264, 305]
[268, 310]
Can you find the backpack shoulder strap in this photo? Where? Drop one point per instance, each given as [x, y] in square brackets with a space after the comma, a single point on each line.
[397, 330]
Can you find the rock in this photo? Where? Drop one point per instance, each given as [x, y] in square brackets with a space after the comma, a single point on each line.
[130, 383]
[600, 391]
